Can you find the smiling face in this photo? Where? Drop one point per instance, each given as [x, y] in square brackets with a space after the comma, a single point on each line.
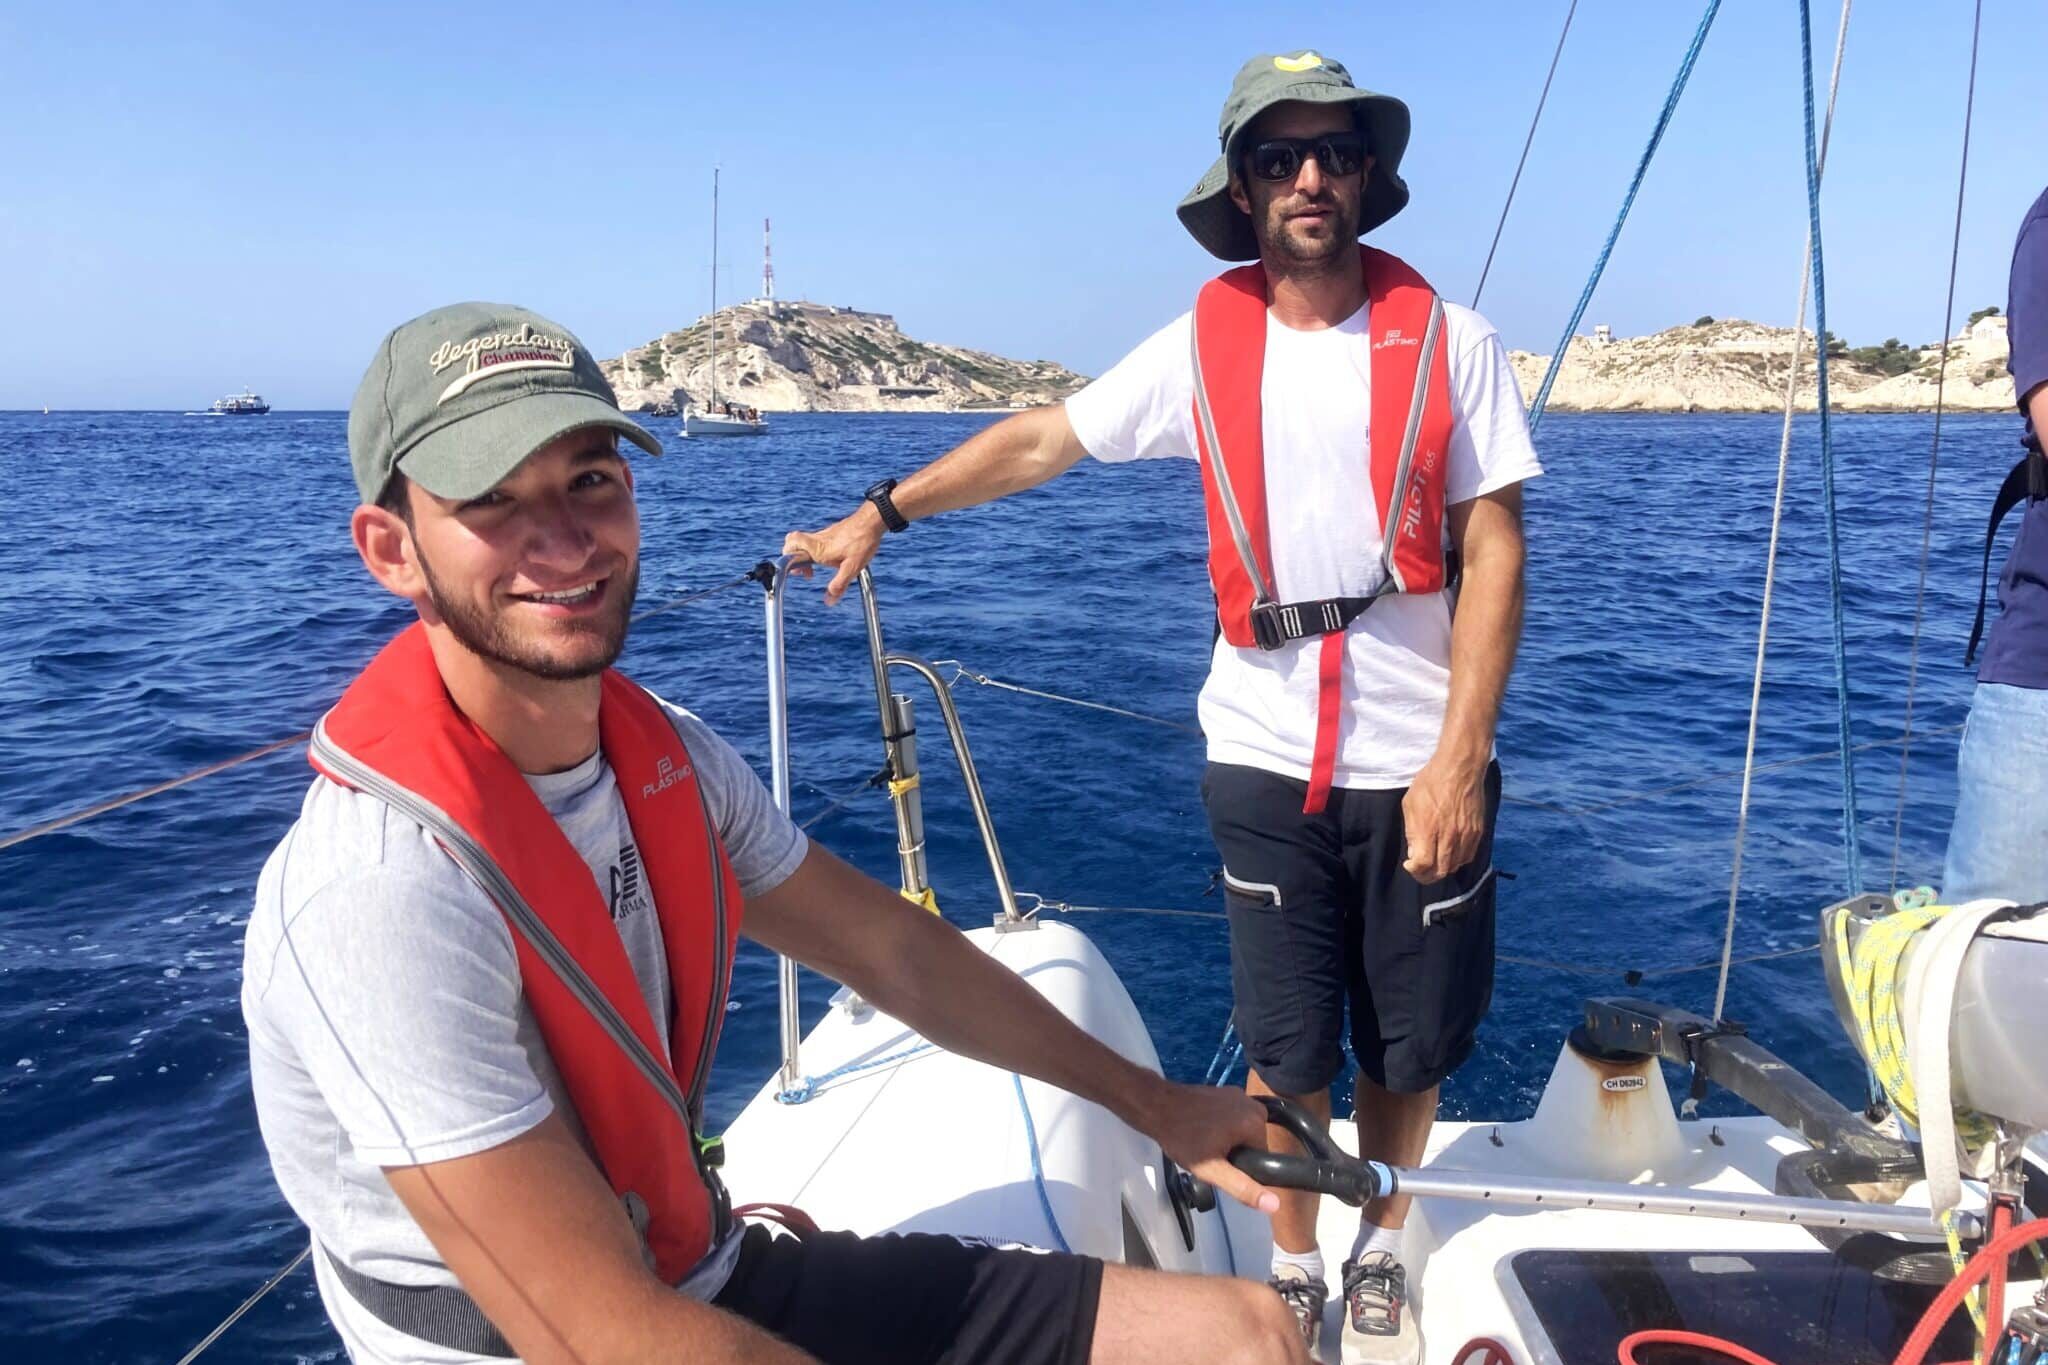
[1311, 219]
[538, 574]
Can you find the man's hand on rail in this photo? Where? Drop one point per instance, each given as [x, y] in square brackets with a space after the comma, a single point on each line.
[847, 544]
[1019, 452]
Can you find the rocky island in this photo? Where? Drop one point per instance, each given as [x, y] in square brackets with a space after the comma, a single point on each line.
[788, 356]
[1735, 366]
[784, 356]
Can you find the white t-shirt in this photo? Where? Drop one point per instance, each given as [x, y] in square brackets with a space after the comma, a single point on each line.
[386, 1022]
[1259, 709]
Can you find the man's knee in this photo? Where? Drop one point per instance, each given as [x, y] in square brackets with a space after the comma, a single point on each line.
[1266, 1327]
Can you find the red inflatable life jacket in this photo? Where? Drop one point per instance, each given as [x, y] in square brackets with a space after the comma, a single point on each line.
[396, 734]
[1408, 440]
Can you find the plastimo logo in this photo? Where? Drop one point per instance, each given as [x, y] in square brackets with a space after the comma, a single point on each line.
[666, 775]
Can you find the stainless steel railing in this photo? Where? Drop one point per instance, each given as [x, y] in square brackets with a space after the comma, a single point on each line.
[899, 746]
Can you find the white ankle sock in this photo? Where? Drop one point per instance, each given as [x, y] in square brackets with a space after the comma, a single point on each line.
[1372, 1237]
[1310, 1263]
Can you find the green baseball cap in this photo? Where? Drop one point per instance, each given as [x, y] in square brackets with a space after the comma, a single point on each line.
[456, 398]
[1269, 79]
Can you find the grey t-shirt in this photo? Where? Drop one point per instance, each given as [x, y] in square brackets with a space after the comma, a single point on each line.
[386, 1022]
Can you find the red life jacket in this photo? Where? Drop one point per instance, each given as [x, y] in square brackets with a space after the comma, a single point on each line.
[397, 734]
[1408, 440]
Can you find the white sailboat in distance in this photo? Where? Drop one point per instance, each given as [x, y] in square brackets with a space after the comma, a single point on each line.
[716, 418]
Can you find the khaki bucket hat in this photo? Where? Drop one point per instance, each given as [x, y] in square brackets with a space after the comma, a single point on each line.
[1307, 76]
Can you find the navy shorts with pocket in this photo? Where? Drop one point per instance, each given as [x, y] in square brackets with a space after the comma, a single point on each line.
[1322, 916]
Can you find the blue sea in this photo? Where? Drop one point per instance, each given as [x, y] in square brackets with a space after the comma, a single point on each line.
[182, 589]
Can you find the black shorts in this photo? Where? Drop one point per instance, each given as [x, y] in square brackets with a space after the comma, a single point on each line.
[1321, 914]
[910, 1297]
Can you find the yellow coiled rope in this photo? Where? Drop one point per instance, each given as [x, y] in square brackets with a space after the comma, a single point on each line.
[1870, 972]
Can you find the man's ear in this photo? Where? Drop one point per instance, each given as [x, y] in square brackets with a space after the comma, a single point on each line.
[1238, 195]
[384, 541]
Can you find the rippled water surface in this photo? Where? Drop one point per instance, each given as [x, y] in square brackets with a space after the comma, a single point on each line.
[181, 589]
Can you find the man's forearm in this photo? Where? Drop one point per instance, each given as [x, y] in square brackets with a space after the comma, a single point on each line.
[1485, 632]
[1016, 453]
[940, 984]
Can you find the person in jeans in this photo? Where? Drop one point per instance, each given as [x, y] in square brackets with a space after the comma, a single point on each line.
[1998, 845]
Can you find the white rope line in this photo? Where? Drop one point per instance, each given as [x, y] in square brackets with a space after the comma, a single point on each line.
[1763, 630]
[1948, 322]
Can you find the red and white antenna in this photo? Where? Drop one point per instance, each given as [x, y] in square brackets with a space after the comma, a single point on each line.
[767, 264]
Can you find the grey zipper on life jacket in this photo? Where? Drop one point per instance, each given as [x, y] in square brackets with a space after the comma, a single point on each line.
[721, 980]
[1262, 591]
[1390, 533]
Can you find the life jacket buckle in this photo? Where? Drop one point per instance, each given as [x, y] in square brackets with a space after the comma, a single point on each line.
[712, 1151]
[1268, 629]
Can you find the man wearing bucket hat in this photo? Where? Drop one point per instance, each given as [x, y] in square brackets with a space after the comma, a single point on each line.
[1359, 440]
[487, 967]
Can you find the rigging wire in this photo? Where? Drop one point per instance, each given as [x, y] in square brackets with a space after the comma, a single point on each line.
[1948, 322]
[1629, 975]
[60, 822]
[1763, 631]
[231, 1319]
[961, 670]
[1692, 54]
[1527, 143]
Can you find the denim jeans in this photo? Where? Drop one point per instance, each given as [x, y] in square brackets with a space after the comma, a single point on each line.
[1999, 843]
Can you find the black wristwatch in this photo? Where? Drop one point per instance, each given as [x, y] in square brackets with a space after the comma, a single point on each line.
[879, 496]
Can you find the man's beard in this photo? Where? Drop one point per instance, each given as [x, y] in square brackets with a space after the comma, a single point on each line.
[1310, 256]
[592, 647]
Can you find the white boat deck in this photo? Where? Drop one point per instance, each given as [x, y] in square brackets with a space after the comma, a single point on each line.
[897, 1136]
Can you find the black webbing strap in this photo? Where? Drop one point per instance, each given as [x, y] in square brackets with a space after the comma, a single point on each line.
[2027, 481]
[440, 1314]
[1276, 623]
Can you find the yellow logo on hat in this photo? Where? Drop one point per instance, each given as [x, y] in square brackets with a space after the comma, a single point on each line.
[1307, 61]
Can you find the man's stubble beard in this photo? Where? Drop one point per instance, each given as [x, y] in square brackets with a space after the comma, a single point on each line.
[1278, 246]
[486, 635]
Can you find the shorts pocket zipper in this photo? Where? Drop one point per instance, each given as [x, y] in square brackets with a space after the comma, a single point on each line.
[1437, 911]
[1265, 890]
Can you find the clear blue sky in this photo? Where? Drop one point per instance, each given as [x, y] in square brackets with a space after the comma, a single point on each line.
[197, 197]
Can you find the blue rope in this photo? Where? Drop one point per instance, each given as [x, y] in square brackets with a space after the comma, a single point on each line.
[1614, 233]
[1851, 862]
[1059, 1239]
[810, 1086]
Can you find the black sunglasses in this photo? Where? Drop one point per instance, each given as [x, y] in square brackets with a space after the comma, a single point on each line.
[1280, 158]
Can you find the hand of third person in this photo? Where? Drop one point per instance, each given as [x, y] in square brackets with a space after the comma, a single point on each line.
[1199, 1126]
[1444, 814]
[847, 544]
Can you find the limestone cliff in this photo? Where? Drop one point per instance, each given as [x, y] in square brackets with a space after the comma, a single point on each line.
[1736, 366]
[806, 357]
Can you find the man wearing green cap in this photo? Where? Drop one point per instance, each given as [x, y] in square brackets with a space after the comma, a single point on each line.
[487, 967]
[1362, 445]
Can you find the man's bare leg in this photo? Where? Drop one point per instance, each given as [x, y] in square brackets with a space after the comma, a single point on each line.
[1394, 1129]
[1294, 1226]
[1149, 1317]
